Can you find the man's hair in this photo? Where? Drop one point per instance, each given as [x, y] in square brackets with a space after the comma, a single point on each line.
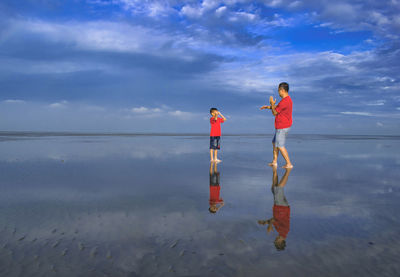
[280, 246]
[213, 109]
[284, 86]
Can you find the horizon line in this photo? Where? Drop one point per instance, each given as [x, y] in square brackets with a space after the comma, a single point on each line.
[82, 133]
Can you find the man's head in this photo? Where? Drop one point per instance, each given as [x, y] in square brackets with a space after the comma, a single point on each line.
[283, 89]
[280, 243]
[213, 111]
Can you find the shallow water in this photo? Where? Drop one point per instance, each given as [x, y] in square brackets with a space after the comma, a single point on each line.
[139, 206]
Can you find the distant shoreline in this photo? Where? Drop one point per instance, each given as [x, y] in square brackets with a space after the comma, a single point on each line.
[129, 134]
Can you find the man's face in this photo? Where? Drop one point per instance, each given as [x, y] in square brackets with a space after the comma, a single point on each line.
[281, 92]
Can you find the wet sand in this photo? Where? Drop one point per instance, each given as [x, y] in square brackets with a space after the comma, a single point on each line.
[137, 205]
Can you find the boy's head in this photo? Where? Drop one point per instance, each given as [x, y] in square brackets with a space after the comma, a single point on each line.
[213, 209]
[213, 111]
[280, 243]
[283, 89]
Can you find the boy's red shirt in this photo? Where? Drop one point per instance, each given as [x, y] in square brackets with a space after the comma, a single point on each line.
[214, 195]
[282, 219]
[284, 117]
[216, 126]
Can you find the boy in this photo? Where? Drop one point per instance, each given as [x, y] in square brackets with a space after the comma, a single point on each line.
[280, 210]
[215, 201]
[215, 133]
[283, 122]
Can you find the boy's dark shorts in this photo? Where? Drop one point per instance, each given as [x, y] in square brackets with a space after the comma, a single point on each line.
[214, 143]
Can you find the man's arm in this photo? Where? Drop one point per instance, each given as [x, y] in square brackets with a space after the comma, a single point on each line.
[265, 107]
[273, 110]
[273, 107]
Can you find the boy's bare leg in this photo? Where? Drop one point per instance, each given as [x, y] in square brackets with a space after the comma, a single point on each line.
[215, 156]
[275, 153]
[211, 155]
[285, 155]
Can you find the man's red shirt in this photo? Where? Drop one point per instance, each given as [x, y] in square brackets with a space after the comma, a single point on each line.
[282, 219]
[216, 126]
[284, 117]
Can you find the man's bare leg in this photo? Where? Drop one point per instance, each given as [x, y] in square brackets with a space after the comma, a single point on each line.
[285, 155]
[275, 153]
[211, 155]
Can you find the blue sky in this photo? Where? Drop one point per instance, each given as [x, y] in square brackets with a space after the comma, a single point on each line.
[158, 66]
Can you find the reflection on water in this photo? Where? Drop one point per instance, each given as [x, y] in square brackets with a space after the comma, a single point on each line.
[216, 202]
[140, 206]
[281, 209]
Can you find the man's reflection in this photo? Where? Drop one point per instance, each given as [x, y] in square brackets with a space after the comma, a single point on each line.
[216, 202]
[280, 210]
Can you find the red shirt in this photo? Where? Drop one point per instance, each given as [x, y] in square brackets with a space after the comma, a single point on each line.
[284, 117]
[216, 126]
[282, 219]
[214, 195]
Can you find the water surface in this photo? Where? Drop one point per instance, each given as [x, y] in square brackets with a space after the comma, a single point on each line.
[137, 205]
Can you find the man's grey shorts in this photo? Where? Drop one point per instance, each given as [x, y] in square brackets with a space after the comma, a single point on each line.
[280, 137]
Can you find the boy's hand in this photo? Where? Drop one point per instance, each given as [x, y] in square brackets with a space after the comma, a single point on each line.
[265, 107]
[272, 101]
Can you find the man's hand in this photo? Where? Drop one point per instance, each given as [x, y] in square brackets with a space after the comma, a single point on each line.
[272, 101]
[265, 107]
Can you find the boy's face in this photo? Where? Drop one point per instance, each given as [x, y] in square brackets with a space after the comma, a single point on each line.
[214, 113]
[281, 92]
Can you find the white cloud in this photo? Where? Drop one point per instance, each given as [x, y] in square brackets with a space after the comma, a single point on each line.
[14, 101]
[163, 111]
[357, 113]
[242, 16]
[220, 11]
[376, 103]
[57, 105]
[140, 110]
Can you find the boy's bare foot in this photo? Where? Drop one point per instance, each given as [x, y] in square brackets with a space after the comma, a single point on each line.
[273, 164]
[217, 161]
[287, 166]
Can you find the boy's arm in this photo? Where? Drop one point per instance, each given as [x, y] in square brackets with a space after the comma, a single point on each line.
[223, 117]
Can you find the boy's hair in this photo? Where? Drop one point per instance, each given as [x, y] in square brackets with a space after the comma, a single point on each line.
[284, 86]
[280, 246]
[211, 211]
[213, 109]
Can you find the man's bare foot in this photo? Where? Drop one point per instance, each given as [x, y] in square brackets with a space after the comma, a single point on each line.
[287, 166]
[217, 161]
[273, 164]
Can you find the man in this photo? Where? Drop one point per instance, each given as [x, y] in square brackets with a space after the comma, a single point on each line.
[283, 122]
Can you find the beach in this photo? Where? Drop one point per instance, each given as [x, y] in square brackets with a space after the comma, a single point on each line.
[138, 205]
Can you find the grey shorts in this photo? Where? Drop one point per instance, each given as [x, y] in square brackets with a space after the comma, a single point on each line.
[280, 137]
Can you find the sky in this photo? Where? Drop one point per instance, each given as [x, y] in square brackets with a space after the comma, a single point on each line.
[160, 65]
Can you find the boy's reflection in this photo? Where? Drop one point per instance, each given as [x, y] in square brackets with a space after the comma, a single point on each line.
[216, 202]
[281, 210]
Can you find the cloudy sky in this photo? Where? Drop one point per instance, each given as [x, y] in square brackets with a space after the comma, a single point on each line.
[159, 65]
